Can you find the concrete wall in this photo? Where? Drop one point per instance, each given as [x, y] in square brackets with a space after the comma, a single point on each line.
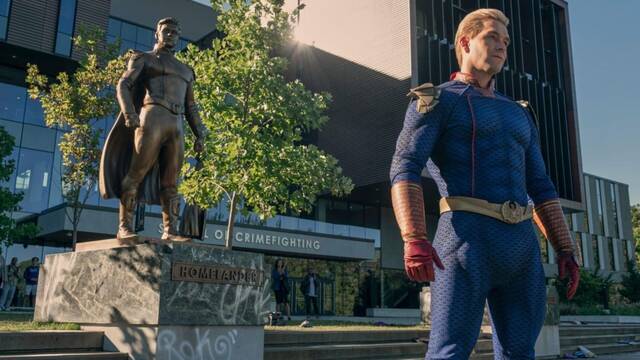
[360, 52]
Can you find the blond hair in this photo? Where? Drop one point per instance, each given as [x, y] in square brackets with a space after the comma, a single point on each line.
[473, 23]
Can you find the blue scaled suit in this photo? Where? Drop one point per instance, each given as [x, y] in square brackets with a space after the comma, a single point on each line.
[488, 148]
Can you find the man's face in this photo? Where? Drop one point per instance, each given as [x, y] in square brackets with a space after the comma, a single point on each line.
[168, 36]
[488, 49]
[35, 262]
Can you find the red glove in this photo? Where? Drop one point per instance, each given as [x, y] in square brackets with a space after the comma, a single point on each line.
[419, 257]
[567, 265]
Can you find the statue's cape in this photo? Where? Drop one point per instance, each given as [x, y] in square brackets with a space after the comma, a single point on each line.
[116, 157]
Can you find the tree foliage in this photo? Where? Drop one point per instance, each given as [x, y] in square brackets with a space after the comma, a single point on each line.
[74, 103]
[9, 201]
[257, 118]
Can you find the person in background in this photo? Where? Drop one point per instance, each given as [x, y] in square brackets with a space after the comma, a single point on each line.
[9, 289]
[310, 288]
[31, 280]
[280, 285]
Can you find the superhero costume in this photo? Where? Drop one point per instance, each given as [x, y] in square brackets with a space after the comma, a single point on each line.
[477, 143]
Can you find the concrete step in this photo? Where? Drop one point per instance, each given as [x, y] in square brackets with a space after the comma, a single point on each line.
[583, 330]
[93, 355]
[49, 341]
[385, 350]
[344, 351]
[568, 341]
[311, 337]
[602, 349]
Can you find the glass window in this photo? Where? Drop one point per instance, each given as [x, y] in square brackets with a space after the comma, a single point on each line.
[38, 138]
[3, 27]
[596, 251]
[66, 20]
[128, 31]
[614, 210]
[612, 262]
[145, 37]
[33, 179]
[625, 254]
[63, 44]
[11, 182]
[134, 36]
[12, 100]
[55, 195]
[14, 129]
[34, 114]
[4, 17]
[4, 7]
[114, 27]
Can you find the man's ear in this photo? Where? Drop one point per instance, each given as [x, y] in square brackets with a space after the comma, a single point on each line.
[464, 42]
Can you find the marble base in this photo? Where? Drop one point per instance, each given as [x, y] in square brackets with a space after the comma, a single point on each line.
[178, 293]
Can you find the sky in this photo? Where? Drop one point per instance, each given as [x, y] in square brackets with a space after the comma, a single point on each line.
[605, 45]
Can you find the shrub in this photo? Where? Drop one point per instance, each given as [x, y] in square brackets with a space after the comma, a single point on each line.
[593, 289]
[631, 283]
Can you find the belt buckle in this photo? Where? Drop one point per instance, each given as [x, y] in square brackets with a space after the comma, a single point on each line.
[511, 212]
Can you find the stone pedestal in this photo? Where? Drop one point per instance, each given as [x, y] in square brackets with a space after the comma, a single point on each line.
[161, 300]
[548, 343]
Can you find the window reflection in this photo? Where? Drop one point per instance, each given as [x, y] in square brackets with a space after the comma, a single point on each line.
[5, 5]
[34, 114]
[33, 177]
[66, 20]
[134, 36]
[12, 100]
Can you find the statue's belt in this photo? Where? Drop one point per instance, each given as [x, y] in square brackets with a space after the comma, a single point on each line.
[174, 108]
[509, 212]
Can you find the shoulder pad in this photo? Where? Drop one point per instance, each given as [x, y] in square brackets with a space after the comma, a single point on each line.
[525, 104]
[426, 95]
[135, 54]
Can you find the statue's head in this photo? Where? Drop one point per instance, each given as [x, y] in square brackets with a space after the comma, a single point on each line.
[168, 33]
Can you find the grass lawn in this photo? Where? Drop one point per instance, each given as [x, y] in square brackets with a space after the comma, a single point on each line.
[330, 325]
[22, 322]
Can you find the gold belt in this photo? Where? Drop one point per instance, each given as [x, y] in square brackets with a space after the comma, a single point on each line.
[509, 212]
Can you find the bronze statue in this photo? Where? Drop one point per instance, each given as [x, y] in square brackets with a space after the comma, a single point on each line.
[144, 151]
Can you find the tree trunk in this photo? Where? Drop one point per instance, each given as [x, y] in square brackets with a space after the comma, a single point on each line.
[74, 237]
[232, 217]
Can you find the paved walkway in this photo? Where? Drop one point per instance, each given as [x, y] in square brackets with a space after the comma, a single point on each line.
[623, 356]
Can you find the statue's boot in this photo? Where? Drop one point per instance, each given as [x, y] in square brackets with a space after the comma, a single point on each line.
[127, 209]
[170, 202]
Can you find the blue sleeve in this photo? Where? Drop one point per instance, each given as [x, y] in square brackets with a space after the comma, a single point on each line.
[419, 135]
[539, 185]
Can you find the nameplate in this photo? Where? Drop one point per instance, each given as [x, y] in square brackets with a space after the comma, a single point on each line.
[216, 274]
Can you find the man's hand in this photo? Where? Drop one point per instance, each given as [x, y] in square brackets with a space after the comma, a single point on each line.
[567, 265]
[198, 145]
[131, 121]
[419, 257]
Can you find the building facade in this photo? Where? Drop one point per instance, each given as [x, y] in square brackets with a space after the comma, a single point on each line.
[367, 65]
[604, 231]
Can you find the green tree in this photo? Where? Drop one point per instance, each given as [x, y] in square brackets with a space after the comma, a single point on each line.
[9, 201]
[635, 221]
[254, 154]
[74, 103]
